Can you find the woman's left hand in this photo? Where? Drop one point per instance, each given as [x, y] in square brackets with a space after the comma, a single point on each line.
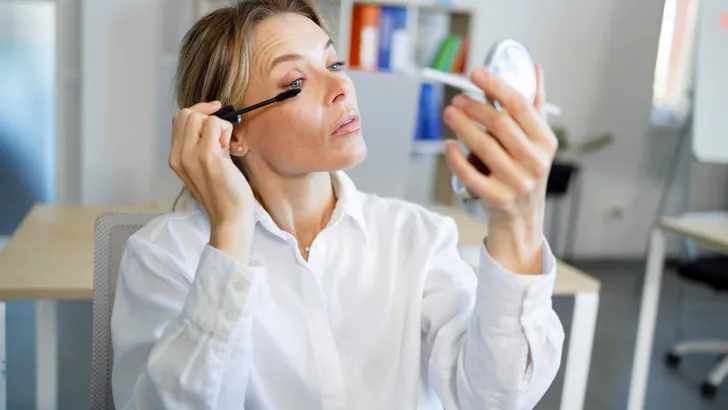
[518, 149]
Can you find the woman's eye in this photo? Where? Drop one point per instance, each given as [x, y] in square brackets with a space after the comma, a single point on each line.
[337, 66]
[296, 83]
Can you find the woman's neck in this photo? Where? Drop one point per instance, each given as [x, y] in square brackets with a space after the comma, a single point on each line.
[301, 206]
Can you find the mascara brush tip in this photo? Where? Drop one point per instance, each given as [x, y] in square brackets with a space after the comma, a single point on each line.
[288, 94]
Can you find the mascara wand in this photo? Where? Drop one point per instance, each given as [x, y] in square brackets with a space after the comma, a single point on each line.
[228, 113]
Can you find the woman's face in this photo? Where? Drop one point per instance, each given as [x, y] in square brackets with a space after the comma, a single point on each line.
[318, 130]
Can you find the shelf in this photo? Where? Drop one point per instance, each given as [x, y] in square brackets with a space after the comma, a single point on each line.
[453, 7]
[425, 147]
[455, 80]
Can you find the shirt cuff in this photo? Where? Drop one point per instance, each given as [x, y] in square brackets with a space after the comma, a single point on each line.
[222, 292]
[513, 299]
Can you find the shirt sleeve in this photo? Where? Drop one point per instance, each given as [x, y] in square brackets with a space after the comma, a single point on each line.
[172, 337]
[479, 331]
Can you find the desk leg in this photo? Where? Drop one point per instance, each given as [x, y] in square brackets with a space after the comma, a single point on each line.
[648, 317]
[3, 363]
[578, 360]
[46, 355]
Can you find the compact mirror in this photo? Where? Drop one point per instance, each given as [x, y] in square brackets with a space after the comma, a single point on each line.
[511, 61]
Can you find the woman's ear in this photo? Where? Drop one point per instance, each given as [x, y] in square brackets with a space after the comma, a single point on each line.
[238, 145]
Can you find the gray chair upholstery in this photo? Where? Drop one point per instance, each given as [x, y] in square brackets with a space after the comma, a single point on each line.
[110, 237]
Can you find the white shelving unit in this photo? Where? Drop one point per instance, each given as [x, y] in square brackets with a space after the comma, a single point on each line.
[426, 159]
[338, 14]
[345, 7]
[424, 4]
[413, 8]
[424, 147]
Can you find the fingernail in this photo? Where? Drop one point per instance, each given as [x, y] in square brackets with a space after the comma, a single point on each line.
[216, 103]
[449, 113]
[480, 75]
[458, 101]
[450, 145]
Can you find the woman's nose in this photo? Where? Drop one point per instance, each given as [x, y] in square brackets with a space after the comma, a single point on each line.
[340, 89]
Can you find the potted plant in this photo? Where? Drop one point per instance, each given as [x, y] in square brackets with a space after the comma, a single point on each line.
[563, 168]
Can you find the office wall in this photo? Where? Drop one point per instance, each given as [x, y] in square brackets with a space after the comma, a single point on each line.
[174, 24]
[68, 100]
[128, 59]
[598, 56]
[118, 125]
[599, 59]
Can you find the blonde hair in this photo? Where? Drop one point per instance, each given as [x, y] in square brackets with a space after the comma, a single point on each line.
[216, 53]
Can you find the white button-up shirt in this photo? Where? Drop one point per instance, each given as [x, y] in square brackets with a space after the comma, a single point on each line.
[385, 314]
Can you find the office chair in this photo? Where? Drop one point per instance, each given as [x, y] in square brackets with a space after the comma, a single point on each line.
[110, 237]
[713, 272]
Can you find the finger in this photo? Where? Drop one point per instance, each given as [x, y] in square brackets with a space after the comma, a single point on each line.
[192, 132]
[550, 143]
[207, 108]
[180, 139]
[216, 135]
[226, 133]
[522, 111]
[212, 148]
[485, 147]
[190, 141]
[540, 91]
[486, 187]
[175, 155]
[506, 132]
[178, 128]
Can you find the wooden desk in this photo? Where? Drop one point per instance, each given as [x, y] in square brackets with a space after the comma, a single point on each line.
[51, 254]
[50, 258]
[55, 243]
[709, 229]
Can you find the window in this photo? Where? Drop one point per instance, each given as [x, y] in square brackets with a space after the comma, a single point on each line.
[674, 65]
[27, 107]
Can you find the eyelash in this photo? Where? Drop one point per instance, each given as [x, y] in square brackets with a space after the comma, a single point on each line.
[339, 63]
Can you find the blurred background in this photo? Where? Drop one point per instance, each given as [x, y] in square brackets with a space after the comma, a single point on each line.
[85, 117]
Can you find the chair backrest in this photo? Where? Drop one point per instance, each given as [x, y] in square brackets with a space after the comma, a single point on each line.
[110, 237]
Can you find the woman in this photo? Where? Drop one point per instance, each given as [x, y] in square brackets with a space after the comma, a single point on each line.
[286, 288]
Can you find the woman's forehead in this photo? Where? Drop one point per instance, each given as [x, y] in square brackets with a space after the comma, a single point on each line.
[285, 34]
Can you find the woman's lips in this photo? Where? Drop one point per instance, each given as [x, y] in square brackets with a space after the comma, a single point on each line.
[348, 124]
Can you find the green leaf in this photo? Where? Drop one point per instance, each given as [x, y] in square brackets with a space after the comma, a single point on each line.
[596, 144]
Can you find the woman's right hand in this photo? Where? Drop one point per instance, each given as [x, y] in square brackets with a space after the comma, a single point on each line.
[200, 156]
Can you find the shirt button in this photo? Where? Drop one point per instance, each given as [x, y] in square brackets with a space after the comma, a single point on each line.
[231, 316]
[238, 285]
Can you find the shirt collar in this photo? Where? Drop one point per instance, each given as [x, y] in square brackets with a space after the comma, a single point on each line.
[348, 201]
[348, 204]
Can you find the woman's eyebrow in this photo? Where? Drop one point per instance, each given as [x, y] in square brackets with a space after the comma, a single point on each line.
[294, 57]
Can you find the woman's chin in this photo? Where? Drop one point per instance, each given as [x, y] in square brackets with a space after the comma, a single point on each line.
[349, 155]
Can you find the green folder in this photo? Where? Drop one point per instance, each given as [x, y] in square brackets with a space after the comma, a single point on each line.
[446, 56]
